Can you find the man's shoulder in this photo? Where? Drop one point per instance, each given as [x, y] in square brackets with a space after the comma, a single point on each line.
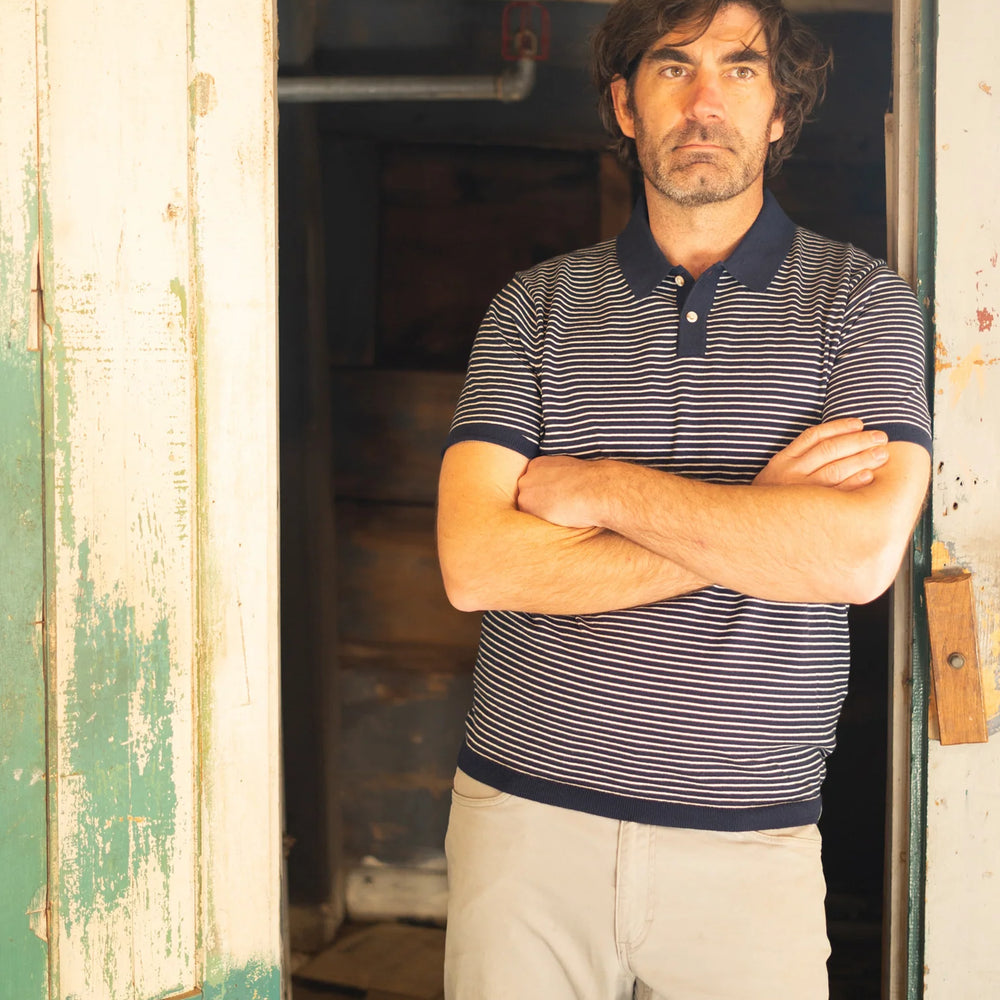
[848, 277]
[848, 266]
[812, 249]
[585, 269]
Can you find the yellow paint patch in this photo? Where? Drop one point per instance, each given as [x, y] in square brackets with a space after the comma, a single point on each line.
[941, 357]
[940, 556]
[203, 96]
[991, 696]
[961, 370]
[989, 639]
[986, 88]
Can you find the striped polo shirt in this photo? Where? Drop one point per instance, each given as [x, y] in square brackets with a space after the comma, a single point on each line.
[715, 709]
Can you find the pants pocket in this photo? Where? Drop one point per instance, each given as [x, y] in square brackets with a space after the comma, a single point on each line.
[477, 794]
[806, 835]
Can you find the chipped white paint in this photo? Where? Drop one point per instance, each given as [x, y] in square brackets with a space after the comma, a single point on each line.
[159, 347]
[963, 824]
[234, 200]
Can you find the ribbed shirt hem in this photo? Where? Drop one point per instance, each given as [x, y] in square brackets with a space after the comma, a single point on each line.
[635, 810]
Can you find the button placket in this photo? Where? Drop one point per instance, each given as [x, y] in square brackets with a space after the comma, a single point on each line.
[698, 299]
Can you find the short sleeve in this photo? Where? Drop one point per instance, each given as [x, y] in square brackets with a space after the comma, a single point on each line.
[879, 373]
[501, 400]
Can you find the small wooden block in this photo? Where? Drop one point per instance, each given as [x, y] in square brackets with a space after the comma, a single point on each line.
[958, 685]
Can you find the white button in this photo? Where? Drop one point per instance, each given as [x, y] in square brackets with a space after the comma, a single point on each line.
[692, 317]
[678, 280]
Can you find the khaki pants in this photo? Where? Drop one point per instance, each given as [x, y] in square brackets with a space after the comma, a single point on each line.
[551, 904]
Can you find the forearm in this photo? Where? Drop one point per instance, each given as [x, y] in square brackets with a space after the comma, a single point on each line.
[525, 564]
[784, 543]
[495, 557]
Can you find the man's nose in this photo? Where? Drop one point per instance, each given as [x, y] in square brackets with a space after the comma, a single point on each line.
[705, 101]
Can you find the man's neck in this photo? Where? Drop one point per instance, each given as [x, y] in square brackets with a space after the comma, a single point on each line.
[696, 237]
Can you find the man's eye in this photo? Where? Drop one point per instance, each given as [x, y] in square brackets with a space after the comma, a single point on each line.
[672, 72]
[744, 73]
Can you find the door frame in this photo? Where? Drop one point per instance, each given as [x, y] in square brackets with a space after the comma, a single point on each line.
[911, 232]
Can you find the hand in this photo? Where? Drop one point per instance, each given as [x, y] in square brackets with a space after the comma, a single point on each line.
[560, 490]
[839, 454]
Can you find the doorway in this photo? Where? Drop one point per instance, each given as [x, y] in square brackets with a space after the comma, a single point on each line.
[385, 273]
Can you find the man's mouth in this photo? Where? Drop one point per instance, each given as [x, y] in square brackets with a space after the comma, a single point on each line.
[701, 140]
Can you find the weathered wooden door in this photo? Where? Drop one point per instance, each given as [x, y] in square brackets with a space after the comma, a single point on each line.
[139, 767]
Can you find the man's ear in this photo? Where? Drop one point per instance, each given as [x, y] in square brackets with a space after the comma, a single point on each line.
[777, 128]
[623, 110]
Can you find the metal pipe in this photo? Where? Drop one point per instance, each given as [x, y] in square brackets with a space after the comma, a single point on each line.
[513, 84]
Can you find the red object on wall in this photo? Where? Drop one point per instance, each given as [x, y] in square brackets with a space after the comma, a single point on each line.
[529, 37]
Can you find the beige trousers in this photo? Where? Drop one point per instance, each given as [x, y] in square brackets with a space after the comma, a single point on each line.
[551, 904]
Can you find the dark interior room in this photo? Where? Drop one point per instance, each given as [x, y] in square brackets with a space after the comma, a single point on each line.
[398, 222]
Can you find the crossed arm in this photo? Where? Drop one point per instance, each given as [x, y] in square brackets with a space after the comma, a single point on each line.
[828, 519]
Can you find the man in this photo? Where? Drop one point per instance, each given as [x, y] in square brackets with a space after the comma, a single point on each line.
[676, 459]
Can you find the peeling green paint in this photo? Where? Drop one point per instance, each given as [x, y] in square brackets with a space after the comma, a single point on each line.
[118, 731]
[23, 852]
[257, 980]
[59, 402]
[178, 289]
[22, 678]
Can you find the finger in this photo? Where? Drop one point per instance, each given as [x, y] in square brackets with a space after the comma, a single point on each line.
[812, 436]
[855, 482]
[835, 449]
[838, 472]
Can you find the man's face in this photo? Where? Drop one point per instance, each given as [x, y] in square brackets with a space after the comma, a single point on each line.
[702, 114]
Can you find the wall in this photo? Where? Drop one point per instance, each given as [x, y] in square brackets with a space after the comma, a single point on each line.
[962, 920]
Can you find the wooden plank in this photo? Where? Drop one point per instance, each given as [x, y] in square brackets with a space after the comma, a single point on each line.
[389, 581]
[426, 657]
[400, 736]
[437, 202]
[120, 478]
[23, 777]
[391, 427]
[232, 172]
[958, 688]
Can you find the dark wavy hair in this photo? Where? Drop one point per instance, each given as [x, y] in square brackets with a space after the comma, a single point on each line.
[799, 63]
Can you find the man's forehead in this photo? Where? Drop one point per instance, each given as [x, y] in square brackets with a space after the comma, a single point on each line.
[734, 27]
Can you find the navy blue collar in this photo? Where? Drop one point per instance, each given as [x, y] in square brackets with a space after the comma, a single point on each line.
[754, 262]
